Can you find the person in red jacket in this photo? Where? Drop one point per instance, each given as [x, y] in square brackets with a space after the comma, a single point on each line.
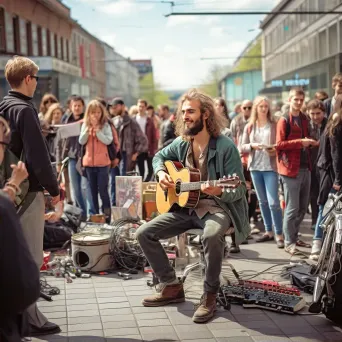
[293, 162]
[96, 135]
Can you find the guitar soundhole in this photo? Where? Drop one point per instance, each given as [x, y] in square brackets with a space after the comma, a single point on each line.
[178, 188]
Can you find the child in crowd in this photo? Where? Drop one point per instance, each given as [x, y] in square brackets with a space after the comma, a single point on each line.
[96, 135]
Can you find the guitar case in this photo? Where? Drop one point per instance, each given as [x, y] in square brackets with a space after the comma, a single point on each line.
[334, 310]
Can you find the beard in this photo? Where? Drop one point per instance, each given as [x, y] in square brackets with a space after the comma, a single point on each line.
[197, 127]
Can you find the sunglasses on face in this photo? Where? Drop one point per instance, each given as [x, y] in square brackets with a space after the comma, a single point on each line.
[247, 108]
[36, 77]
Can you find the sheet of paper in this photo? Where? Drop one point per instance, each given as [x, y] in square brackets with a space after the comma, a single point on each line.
[69, 130]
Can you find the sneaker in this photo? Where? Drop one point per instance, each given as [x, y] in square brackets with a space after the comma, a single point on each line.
[316, 250]
[291, 249]
[206, 308]
[168, 293]
[234, 248]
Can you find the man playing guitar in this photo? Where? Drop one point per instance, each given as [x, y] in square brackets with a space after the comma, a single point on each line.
[199, 145]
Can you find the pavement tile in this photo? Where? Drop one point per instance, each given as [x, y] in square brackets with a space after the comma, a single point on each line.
[87, 313]
[113, 299]
[128, 338]
[79, 301]
[139, 293]
[229, 333]
[144, 309]
[317, 320]
[119, 324]
[60, 321]
[73, 290]
[201, 340]
[151, 315]
[306, 338]
[224, 326]
[85, 327]
[121, 332]
[257, 324]
[256, 317]
[160, 330]
[50, 309]
[80, 307]
[114, 305]
[153, 322]
[80, 295]
[87, 333]
[328, 328]
[84, 320]
[112, 312]
[298, 329]
[50, 338]
[186, 306]
[86, 339]
[117, 318]
[223, 317]
[235, 339]
[271, 330]
[271, 339]
[59, 302]
[189, 331]
[178, 318]
[135, 300]
[79, 286]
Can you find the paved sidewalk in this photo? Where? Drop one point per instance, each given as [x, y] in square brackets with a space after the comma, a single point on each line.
[108, 309]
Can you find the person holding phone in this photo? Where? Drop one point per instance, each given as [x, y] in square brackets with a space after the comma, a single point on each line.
[258, 141]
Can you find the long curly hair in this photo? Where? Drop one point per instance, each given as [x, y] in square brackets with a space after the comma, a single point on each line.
[94, 104]
[49, 114]
[215, 122]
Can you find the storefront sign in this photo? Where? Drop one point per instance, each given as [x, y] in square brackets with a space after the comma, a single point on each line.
[291, 82]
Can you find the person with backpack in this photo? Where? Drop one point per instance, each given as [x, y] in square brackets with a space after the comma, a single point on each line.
[27, 143]
[96, 135]
[258, 141]
[294, 166]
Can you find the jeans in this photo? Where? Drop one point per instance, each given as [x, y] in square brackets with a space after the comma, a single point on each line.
[141, 164]
[318, 230]
[117, 171]
[98, 182]
[266, 187]
[76, 185]
[297, 193]
[174, 223]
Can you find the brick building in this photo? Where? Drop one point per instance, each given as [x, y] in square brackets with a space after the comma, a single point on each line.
[67, 55]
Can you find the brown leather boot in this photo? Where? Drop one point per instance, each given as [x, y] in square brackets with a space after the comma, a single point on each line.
[206, 309]
[173, 293]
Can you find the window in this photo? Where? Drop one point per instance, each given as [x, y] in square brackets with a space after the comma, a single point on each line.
[67, 44]
[48, 42]
[39, 38]
[59, 47]
[23, 37]
[322, 43]
[333, 39]
[52, 45]
[16, 34]
[29, 38]
[9, 33]
[2, 30]
[56, 45]
[44, 42]
[62, 48]
[34, 39]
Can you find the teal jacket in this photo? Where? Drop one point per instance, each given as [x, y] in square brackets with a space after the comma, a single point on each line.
[223, 160]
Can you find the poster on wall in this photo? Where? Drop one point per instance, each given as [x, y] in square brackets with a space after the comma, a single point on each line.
[129, 192]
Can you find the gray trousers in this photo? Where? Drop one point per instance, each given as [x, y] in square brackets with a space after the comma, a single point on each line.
[32, 222]
[175, 223]
[297, 195]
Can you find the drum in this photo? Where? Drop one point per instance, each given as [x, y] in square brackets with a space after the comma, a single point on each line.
[90, 250]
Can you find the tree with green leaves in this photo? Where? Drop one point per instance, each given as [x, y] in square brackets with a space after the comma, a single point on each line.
[152, 92]
[246, 64]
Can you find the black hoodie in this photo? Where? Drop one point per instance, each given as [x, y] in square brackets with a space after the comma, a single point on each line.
[26, 134]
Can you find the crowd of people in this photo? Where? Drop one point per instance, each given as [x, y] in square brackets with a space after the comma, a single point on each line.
[293, 153]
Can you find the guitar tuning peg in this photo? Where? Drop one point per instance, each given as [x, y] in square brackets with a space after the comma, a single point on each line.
[224, 177]
[234, 175]
[227, 190]
[229, 176]
[234, 191]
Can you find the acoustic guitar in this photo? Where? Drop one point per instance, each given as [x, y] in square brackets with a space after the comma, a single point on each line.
[187, 187]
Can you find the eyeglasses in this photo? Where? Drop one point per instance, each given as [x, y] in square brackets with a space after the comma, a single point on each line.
[247, 108]
[36, 77]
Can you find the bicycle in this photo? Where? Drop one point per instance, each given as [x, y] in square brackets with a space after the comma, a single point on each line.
[329, 264]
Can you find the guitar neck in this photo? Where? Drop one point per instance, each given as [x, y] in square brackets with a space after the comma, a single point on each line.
[193, 186]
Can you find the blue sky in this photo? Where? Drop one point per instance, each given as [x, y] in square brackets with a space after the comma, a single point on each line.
[138, 29]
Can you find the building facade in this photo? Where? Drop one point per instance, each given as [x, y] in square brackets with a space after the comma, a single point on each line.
[144, 66]
[238, 86]
[66, 54]
[122, 77]
[301, 49]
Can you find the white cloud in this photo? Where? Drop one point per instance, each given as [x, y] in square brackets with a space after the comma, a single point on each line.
[220, 31]
[234, 5]
[122, 7]
[230, 49]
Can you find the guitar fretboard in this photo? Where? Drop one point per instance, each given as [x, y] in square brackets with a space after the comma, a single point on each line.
[192, 186]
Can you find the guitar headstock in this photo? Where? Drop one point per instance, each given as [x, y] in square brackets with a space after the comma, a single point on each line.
[229, 183]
